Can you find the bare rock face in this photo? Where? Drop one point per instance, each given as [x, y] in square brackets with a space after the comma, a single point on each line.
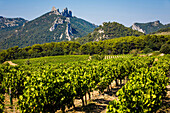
[135, 27]
[55, 23]
[61, 36]
[68, 30]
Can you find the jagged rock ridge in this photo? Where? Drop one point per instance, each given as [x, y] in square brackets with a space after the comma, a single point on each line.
[65, 12]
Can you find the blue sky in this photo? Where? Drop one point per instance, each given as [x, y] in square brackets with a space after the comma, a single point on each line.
[125, 12]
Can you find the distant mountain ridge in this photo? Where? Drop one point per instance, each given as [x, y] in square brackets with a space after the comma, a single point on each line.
[149, 27]
[11, 22]
[50, 27]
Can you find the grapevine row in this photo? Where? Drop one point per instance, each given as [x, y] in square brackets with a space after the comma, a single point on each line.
[144, 91]
[50, 88]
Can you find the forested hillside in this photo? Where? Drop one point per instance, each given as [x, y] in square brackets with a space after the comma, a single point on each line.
[162, 30]
[122, 45]
[109, 30]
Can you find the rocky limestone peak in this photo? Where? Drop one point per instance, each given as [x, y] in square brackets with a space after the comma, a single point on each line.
[65, 12]
[56, 11]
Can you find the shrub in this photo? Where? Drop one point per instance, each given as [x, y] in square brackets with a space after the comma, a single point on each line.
[147, 50]
[165, 48]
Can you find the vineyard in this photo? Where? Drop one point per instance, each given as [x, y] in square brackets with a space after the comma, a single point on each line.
[48, 88]
[51, 60]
